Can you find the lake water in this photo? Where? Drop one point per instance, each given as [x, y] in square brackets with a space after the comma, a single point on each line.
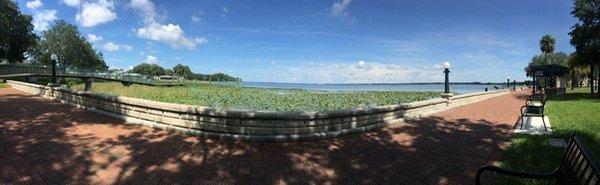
[462, 88]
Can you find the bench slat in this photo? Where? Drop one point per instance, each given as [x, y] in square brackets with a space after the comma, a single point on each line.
[582, 170]
[587, 176]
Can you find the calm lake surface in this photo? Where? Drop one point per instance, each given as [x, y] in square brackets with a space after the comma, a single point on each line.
[372, 87]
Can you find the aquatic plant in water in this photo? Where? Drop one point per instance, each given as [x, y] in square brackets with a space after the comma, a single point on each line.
[259, 99]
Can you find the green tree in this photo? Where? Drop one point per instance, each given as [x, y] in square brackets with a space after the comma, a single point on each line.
[547, 44]
[559, 58]
[16, 33]
[585, 35]
[183, 71]
[148, 69]
[578, 70]
[169, 72]
[72, 49]
[216, 77]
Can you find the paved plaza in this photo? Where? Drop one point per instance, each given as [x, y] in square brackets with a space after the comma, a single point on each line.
[46, 142]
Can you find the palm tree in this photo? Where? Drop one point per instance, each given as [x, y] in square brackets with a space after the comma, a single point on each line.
[547, 44]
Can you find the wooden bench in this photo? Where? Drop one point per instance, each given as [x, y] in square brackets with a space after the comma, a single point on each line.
[578, 166]
[530, 109]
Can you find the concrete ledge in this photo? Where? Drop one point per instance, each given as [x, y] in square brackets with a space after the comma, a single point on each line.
[250, 125]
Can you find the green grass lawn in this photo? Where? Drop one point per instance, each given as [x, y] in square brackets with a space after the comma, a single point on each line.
[576, 111]
[231, 97]
[3, 85]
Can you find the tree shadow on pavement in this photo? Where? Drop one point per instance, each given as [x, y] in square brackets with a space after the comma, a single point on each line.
[51, 142]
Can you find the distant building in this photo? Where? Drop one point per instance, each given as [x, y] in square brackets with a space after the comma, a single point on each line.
[166, 77]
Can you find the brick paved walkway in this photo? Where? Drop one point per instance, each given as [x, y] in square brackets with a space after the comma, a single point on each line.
[47, 142]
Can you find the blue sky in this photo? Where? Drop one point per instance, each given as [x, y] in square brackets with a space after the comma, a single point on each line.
[319, 41]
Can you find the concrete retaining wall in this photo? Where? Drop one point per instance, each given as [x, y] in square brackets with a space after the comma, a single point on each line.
[250, 125]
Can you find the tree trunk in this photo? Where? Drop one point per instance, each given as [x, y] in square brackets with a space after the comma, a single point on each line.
[598, 96]
[572, 79]
[591, 79]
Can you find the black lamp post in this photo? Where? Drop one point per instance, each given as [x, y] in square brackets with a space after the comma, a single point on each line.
[446, 80]
[54, 58]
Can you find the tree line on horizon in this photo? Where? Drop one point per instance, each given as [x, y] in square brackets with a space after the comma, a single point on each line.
[179, 70]
[19, 42]
[585, 37]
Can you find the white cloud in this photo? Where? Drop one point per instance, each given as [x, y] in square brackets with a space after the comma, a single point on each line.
[171, 34]
[224, 11]
[127, 47]
[73, 3]
[35, 4]
[112, 47]
[145, 8]
[357, 72]
[41, 19]
[488, 39]
[177, 58]
[151, 60]
[93, 14]
[339, 8]
[197, 18]
[363, 65]
[94, 38]
[200, 40]
[409, 47]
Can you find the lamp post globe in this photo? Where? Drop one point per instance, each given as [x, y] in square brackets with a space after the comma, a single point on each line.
[446, 93]
[446, 65]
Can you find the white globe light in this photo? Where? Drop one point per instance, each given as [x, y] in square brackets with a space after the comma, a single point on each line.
[446, 65]
[53, 57]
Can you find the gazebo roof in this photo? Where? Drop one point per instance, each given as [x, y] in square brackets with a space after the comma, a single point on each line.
[548, 70]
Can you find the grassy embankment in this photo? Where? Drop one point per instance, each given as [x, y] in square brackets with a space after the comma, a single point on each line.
[231, 97]
[576, 111]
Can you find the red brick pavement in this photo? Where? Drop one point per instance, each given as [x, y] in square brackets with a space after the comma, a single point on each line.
[45, 142]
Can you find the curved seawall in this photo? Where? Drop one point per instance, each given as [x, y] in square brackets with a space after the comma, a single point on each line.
[250, 125]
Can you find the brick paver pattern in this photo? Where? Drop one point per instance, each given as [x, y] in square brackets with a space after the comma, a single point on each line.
[46, 142]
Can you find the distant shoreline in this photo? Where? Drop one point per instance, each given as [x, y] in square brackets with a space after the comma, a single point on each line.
[415, 83]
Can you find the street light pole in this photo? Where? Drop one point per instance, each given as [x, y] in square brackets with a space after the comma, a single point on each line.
[54, 59]
[447, 81]
[446, 93]
[508, 82]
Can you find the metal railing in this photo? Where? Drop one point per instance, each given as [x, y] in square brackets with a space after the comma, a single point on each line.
[122, 76]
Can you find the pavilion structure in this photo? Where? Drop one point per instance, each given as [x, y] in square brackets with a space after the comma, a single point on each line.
[551, 79]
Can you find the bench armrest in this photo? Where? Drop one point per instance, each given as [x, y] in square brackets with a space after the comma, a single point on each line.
[496, 169]
[531, 106]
